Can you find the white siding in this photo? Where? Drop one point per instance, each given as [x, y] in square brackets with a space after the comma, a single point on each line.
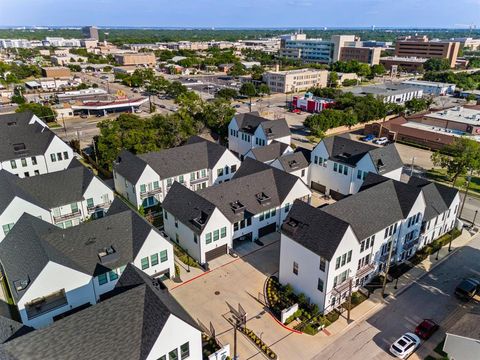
[154, 244]
[58, 146]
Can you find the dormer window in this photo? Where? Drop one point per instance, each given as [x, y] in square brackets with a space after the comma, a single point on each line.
[262, 198]
[108, 255]
[237, 206]
[22, 284]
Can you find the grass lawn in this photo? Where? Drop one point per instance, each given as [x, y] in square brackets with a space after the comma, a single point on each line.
[440, 175]
[439, 349]
[53, 125]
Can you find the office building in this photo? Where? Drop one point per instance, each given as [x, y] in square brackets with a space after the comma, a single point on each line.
[295, 80]
[90, 32]
[135, 59]
[368, 55]
[56, 72]
[422, 47]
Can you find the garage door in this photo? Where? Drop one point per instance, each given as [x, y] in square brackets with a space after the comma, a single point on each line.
[267, 229]
[336, 195]
[318, 187]
[212, 254]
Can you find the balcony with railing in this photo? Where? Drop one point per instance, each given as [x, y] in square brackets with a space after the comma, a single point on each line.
[94, 207]
[199, 180]
[384, 257]
[343, 286]
[72, 215]
[44, 304]
[410, 244]
[364, 271]
[151, 192]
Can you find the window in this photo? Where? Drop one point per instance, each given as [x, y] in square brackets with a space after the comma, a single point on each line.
[184, 351]
[204, 173]
[223, 232]
[177, 238]
[26, 174]
[65, 155]
[340, 168]
[24, 162]
[143, 189]
[74, 207]
[36, 172]
[195, 238]
[67, 224]
[303, 172]
[235, 226]
[320, 285]
[337, 263]
[169, 182]
[287, 207]
[315, 159]
[164, 357]
[233, 168]
[208, 238]
[345, 170]
[349, 256]
[90, 203]
[113, 275]
[267, 214]
[261, 217]
[176, 222]
[216, 235]
[59, 156]
[323, 264]
[102, 279]
[53, 157]
[163, 256]
[220, 172]
[295, 268]
[335, 167]
[359, 174]
[180, 179]
[145, 263]
[173, 355]
[344, 259]
[165, 214]
[154, 259]
[7, 228]
[273, 212]
[13, 164]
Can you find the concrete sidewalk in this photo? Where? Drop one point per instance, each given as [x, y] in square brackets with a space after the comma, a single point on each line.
[375, 302]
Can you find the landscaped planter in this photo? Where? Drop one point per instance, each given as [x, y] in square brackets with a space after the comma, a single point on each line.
[259, 343]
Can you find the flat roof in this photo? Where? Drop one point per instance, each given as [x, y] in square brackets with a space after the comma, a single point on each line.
[439, 130]
[297, 71]
[458, 114]
[426, 83]
[382, 89]
[404, 59]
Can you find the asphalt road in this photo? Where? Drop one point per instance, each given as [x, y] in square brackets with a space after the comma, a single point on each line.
[430, 297]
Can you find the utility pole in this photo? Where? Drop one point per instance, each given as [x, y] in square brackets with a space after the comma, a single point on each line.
[474, 218]
[413, 162]
[387, 268]
[235, 326]
[349, 298]
[469, 178]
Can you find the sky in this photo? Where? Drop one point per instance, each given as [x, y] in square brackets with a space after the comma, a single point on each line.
[241, 13]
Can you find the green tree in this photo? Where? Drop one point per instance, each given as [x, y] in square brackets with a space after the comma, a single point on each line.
[263, 89]
[436, 64]
[237, 70]
[333, 79]
[248, 89]
[417, 105]
[378, 70]
[227, 93]
[45, 113]
[458, 158]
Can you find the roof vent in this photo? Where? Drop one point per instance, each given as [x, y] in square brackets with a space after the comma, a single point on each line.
[12, 123]
[344, 155]
[237, 207]
[380, 163]
[293, 164]
[291, 225]
[108, 255]
[262, 198]
[201, 220]
[19, 147]
[21, 285]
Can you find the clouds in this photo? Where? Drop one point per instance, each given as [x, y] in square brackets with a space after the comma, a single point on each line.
[241, 13]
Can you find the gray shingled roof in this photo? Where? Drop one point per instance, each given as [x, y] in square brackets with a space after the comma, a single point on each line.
[438, 197]
[124, 326]
[273, 129]
[293, 162]
[16, 131]
[9, 190]
[187, 205]
[252, 178]
[345, 150]
[11, 329]
[376, 207]
[196, 155]
[32, 243]
[269, 152]
[314, 229]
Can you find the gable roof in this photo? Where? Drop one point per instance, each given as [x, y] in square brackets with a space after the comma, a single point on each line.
[375, 207]
[273, 129]
[9, 190]
[32, 243]
[187, 206]
[438, 197]
[197, 154]
[345, 150]
[137, 315]
[11, 329]
[269, 152]
[19, 138]
[314, 229]
[293, 162]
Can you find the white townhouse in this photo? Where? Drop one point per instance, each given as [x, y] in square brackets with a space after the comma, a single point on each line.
[28, 147]
[441, 211]
[249, 130]
[51, 271]
[323, 249]
[144, 180]
[293, 163]
[212, 221]
[338, 165]
[140, 321]
[65, 198]
[267, 154]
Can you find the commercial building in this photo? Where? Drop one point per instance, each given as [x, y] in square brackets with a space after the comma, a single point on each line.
[140, 321]
[109, 106]
[338, 165]
[53, 83]
[422, 47]
[28, 147]
[145, 179]
[212, 221]
[135, 59]
[431, 87]
[463, 338]
[52, 271]
[56, 72]
[89, 43]
[367, 55]
[62, 60]
[295, 80]
[249, 130]
[90, 32]
[311, 103]
[468, 43]
[407, 64]
[389, 92]
[85, 94]
[61, 42]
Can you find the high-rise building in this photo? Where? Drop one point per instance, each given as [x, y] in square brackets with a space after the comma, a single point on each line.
[422, 47]
[90, 32]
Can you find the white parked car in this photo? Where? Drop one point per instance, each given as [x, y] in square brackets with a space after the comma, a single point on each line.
[405, 346]
[381, 141]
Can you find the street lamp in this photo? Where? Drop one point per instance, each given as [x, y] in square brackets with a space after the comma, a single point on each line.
[474, 218]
